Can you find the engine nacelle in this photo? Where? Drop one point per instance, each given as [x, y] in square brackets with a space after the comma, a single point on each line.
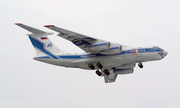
[125, 66]
[113, 50]
[123, 71]
[99, 47]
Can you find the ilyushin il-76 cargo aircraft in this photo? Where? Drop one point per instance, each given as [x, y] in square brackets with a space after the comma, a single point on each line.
[108, 59]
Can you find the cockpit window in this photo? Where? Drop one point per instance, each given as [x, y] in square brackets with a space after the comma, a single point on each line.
[157, 47]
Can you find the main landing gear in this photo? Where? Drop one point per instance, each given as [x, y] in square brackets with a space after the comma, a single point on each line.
[91, 66]
[106, 72]
[98, 73]
[140, 65]
[100, 66]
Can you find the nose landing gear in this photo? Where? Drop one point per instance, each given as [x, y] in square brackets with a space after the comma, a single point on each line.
[140, 65]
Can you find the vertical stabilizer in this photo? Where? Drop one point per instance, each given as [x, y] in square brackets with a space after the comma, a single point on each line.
[41, 42]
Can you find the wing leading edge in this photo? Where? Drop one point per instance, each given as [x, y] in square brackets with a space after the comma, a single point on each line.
[82, 41]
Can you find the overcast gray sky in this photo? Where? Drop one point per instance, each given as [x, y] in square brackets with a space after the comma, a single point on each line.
[25, 83]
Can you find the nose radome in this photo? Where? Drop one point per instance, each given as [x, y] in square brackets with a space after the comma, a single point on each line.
[165, 52]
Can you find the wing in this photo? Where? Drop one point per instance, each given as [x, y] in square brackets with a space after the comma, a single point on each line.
[82, 41]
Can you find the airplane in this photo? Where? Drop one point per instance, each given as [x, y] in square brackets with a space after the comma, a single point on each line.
[108, 59]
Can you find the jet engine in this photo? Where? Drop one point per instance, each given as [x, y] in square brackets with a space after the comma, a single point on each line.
[113, 50]
[99, 47]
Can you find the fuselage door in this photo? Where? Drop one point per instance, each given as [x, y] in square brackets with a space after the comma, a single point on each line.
[138, 53]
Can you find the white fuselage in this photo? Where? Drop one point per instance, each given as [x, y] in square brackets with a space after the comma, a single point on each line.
[127, 56]
[107, 58]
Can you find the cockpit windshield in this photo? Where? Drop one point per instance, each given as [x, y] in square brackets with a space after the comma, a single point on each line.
[157, 47]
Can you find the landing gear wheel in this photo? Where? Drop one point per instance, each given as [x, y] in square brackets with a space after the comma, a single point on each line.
[99, 65]
[106, 72]
[98, 73]
[140, 65]
[91, 66]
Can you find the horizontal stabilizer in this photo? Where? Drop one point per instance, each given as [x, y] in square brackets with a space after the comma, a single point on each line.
[31, 29]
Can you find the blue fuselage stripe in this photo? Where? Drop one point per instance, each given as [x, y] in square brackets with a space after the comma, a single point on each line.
[143, 50]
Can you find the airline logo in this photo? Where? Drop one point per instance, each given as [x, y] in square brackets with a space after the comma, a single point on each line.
[48, 45]
[135, 52]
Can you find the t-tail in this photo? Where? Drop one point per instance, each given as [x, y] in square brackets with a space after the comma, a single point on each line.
[42, 44]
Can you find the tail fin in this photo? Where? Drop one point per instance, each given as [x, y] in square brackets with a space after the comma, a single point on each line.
[41, 43]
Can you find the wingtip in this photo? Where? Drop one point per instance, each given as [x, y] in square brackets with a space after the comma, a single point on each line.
[18, 23]
[49, 26]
